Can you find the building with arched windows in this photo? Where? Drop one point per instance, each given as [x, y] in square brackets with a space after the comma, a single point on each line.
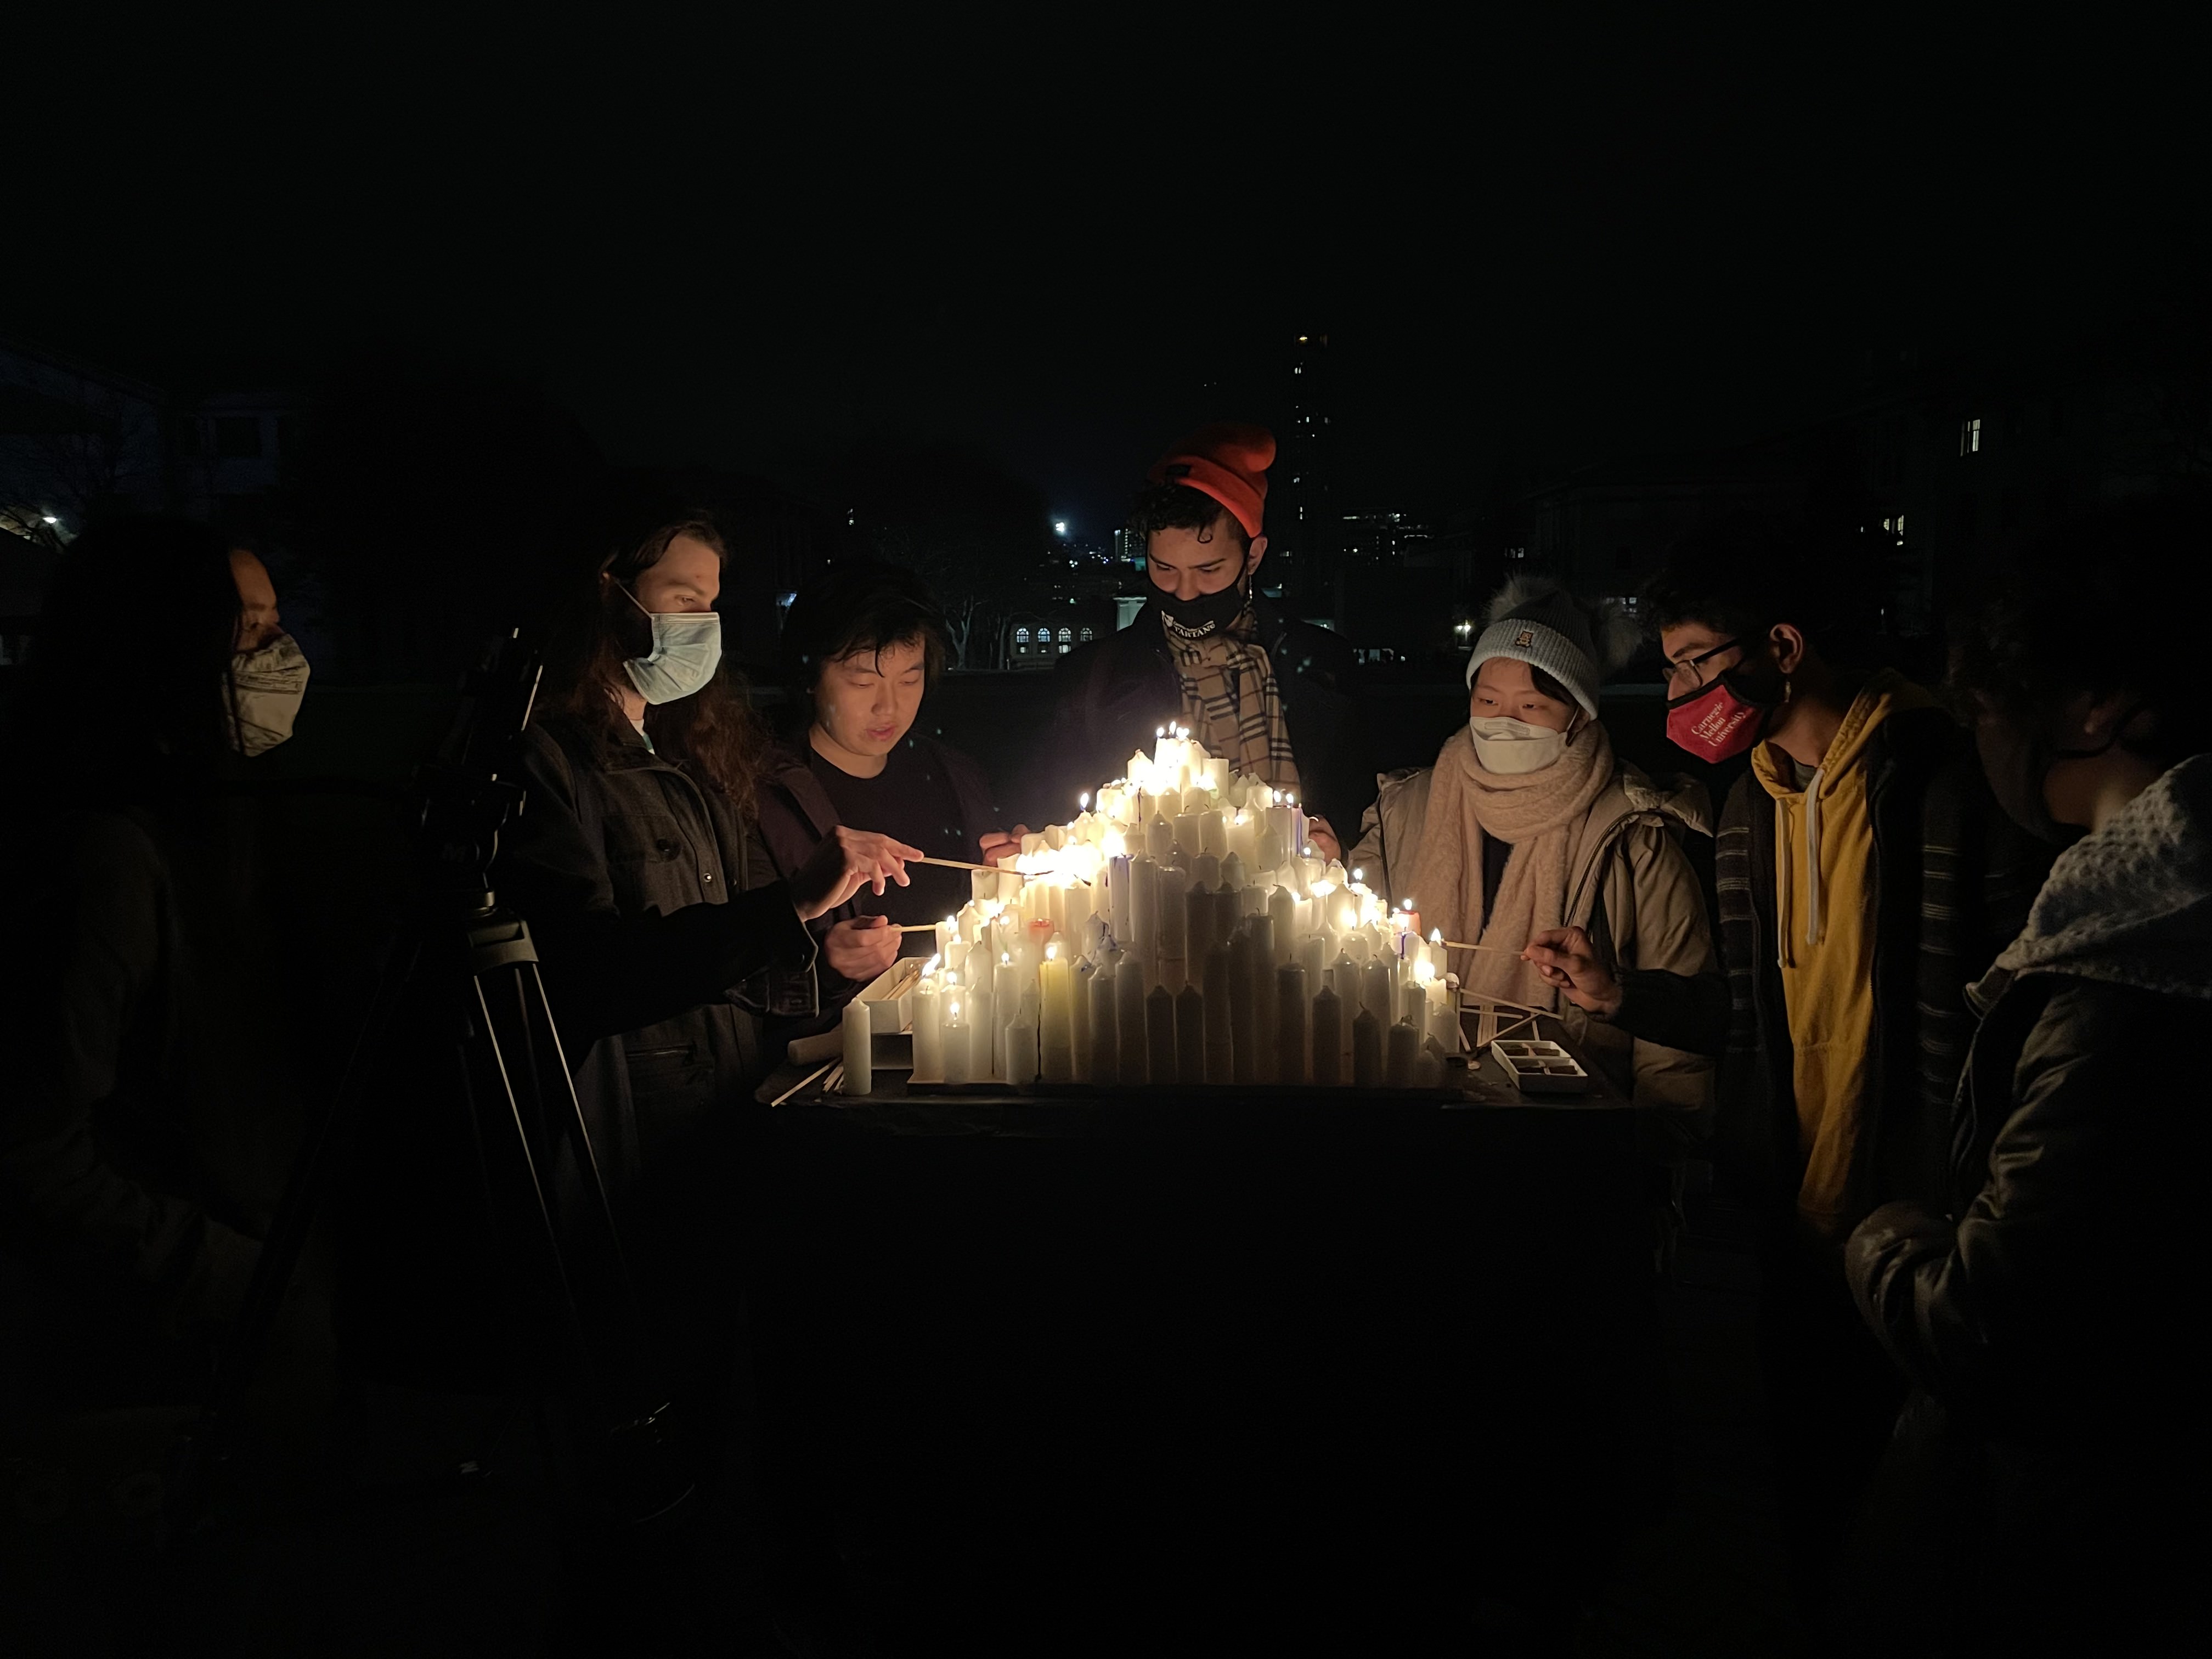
[1038, 639]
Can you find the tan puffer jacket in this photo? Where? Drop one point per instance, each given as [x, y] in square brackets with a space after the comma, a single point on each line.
[1629, 884]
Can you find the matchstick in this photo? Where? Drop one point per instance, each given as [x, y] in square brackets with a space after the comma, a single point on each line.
[1502, 949]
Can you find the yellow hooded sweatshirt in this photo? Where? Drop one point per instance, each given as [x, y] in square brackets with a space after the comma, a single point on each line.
[1824, 904]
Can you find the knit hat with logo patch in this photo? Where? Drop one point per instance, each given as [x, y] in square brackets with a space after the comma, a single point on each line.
[1577, 643]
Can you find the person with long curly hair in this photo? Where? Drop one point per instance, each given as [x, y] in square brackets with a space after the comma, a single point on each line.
[668, 933]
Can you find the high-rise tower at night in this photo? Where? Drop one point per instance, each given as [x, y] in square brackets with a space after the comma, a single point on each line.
[1298, 516]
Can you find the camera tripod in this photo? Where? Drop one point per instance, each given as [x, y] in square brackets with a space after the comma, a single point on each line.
[547, 1204]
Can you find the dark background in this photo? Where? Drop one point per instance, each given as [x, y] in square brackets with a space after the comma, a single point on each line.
[505, 294]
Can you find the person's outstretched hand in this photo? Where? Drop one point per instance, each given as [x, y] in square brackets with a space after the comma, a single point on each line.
[1564, 957]
[861, 947]
[1003, 846]
[845, 861]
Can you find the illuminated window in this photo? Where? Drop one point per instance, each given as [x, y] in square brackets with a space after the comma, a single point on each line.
[1021, 637]
[1086, 636]
[1065, 635]
[1970, 435]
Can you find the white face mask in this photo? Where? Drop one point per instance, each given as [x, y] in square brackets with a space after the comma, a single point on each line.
[269, 684]
[1510, 747]
[687, 649]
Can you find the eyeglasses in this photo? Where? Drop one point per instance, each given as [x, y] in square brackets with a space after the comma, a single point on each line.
[1676, 670]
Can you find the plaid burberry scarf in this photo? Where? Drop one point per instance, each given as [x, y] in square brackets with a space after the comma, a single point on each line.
[1231, 702]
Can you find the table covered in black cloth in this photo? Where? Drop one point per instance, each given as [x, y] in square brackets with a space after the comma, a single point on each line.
[1207, 1367]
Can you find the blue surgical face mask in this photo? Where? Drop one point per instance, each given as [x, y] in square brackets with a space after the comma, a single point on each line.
[687, 649]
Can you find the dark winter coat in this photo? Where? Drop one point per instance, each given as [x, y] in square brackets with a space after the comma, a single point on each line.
[147, 1114]
[665, 934]
[1110, 699]
[1951, 881]
[2036, 1310]
[796, 815]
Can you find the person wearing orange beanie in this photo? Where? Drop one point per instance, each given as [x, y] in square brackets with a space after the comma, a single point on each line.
[1210, 651]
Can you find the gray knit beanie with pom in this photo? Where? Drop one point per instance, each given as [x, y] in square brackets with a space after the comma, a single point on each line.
[1577, 643]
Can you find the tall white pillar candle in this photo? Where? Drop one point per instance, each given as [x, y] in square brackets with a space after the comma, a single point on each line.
[1243, 1010]
[1291, 1023]
[1366, 1050]
[1328, 1037]
[1401, 1053]
[983, 1040]
[1283, 912]
[1129, 1017]
[859, 1065]
[928, 1033]
[1056, 1019]
[955, 1039]
[1190, 1035]
[1220, 1041]
[1160, 1035]
[1105, 1047]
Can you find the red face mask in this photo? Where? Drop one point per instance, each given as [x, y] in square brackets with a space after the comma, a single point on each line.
[1714, 723]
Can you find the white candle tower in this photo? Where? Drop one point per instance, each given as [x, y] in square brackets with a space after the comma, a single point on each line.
[1181, 930]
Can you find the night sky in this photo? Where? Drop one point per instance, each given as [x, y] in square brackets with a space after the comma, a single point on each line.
[745, 250]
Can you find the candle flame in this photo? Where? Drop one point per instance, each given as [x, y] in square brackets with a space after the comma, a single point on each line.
[1052, 951]
[1404, 904]
[930, 967]
[1435, 935]
[1359, 875]
[1082, 801]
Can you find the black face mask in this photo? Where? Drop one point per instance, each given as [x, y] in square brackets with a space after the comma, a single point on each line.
[1202, 619]
[2017, 763]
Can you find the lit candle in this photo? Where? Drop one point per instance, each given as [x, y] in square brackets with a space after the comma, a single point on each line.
[1056, 1027]
[1328, 1037]
[1160, 1035]
[928, 1032]
[958, 1047]
[1291, 1023]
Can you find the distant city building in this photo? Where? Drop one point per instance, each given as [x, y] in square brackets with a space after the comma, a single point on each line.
[1128, 547]
[77, 440]
[1301, 524]
[1038, 639]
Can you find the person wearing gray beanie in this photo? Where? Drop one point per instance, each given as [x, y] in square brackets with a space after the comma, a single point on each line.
[1527, 822]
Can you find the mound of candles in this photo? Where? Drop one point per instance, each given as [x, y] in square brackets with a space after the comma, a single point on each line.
[1182, 930]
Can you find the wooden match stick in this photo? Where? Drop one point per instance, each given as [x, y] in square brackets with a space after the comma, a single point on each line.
[957, 864]
[920, 927]
[1502, 949]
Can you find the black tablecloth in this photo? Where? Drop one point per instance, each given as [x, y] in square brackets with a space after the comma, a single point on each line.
[1208, 1368]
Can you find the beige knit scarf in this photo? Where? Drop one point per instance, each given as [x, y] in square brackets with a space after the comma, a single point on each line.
[1540, 813]
[1230, 699]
